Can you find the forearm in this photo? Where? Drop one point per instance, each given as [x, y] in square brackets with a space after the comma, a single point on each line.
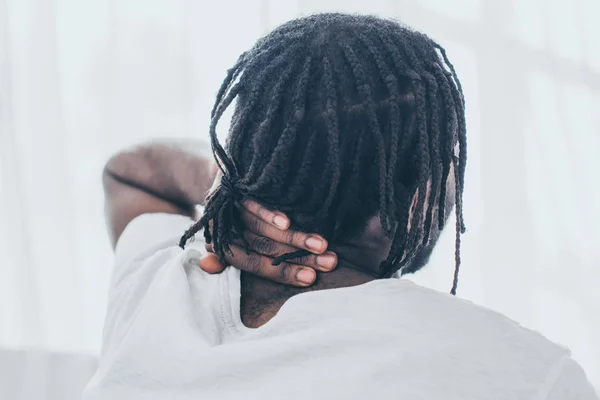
[180, 172]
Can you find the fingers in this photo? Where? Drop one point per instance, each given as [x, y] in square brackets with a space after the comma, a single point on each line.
[210, 263]
[269, 236]
[276, 219]
[292, 273]
[263, 245]
[313, 243]
[257, 264]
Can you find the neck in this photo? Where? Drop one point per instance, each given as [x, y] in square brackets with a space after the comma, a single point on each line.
[261, 299]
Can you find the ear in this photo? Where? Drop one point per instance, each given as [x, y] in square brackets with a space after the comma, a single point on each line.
[413, 207]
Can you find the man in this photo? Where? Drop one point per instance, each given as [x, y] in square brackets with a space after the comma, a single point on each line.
[349, 127]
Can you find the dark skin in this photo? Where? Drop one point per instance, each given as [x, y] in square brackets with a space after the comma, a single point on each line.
[357, 263]
[175, 177]
[358, 260]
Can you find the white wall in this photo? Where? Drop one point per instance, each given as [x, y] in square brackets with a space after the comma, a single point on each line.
[79, 80]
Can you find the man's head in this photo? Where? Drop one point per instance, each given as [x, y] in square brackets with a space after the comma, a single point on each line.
[352, 126]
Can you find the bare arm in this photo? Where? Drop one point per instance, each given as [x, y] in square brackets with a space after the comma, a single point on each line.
[174, 177]
[169, 177]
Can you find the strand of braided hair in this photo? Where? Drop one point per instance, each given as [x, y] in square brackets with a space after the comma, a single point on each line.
[339, 118]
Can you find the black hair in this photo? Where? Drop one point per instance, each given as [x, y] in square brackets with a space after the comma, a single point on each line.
[340, 118]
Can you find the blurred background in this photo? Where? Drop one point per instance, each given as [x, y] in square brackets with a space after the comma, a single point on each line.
[79, 80]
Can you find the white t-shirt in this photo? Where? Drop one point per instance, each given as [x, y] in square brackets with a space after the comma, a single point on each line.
[174, 332]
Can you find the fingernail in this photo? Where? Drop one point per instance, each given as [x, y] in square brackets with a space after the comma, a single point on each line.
[326, 260]
[306, 276]
[280, 221]
[314, 243]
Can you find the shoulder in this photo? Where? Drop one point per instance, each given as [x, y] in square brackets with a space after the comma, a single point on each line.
[484, 343]
[483, 326]
[153, 273]
[145, 236]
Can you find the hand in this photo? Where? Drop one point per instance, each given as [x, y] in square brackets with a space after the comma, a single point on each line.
[268, 236]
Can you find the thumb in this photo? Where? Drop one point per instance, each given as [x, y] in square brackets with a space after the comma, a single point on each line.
[210, 264]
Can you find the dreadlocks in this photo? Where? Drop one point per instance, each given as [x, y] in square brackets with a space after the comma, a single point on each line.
[339, 118]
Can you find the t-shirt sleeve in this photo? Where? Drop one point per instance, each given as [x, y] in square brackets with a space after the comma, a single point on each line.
[145, 236]
[148, 244]
[569, 382]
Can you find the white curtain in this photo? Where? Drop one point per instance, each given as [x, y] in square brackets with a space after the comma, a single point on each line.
[81, 79]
